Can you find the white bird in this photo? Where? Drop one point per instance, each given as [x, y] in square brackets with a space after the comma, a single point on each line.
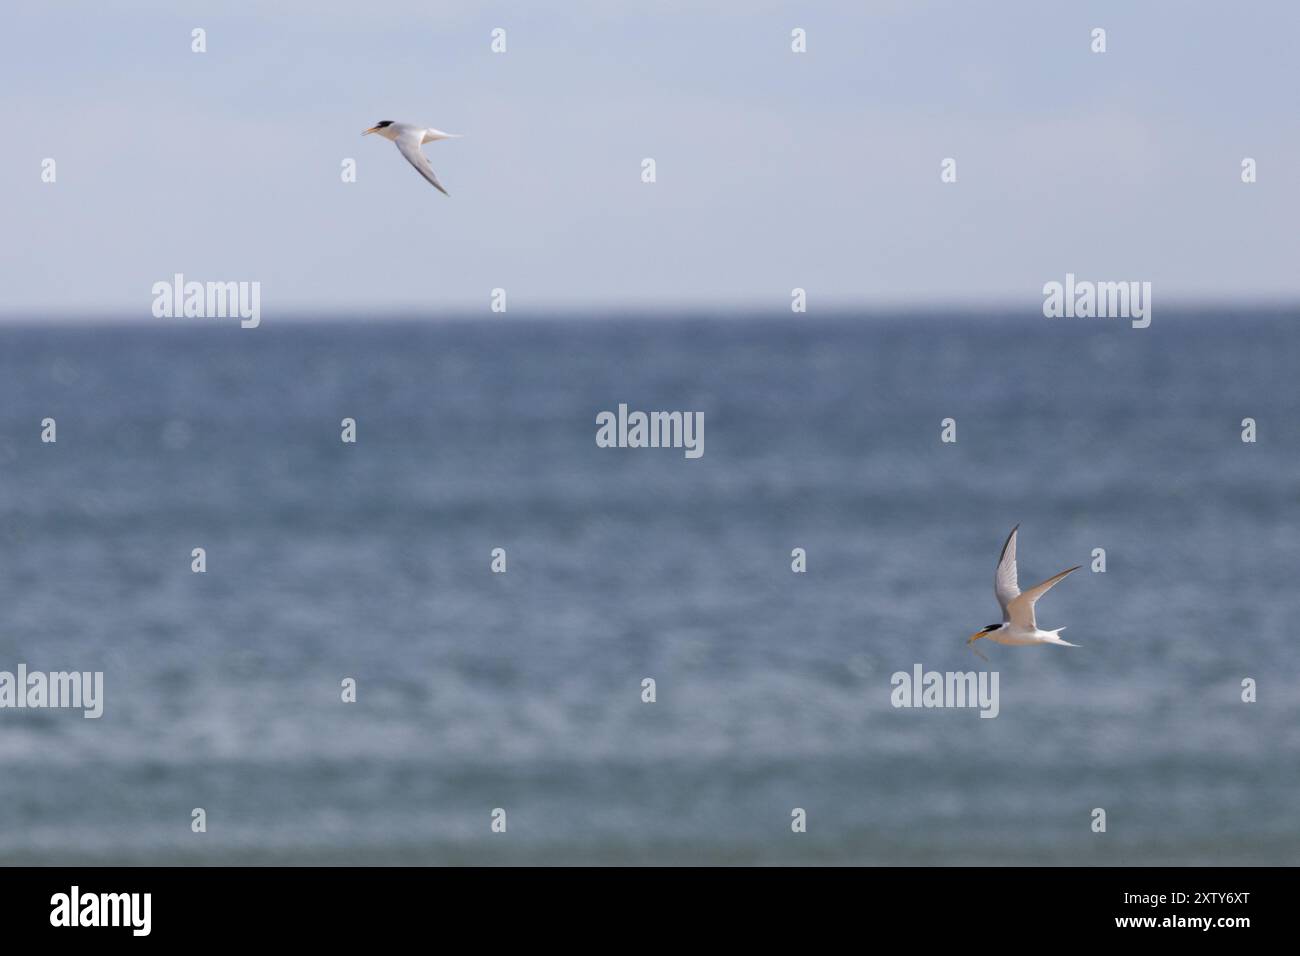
[409, 139]
[1018, 625]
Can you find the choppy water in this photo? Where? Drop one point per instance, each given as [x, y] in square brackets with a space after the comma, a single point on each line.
[522, 690]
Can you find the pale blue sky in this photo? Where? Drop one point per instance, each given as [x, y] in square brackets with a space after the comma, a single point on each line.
[775, 170]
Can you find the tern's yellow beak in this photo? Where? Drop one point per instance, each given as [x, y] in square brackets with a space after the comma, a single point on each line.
[369, 131]
[975, 637]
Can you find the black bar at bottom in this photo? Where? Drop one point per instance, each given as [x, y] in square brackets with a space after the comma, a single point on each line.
[332, 906]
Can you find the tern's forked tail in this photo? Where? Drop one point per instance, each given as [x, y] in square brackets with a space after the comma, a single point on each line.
[1056, 638]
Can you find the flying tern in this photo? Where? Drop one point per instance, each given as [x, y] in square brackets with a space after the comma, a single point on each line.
[1018, 625]
[408, 139]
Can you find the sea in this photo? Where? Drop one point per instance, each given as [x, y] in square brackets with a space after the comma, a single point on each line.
[504, 716]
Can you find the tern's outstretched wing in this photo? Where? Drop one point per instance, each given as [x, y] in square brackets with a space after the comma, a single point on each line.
[1021, 610]
[1005, 585]
[409, 146]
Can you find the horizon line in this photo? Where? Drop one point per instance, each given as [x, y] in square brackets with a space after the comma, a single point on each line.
[839, 309]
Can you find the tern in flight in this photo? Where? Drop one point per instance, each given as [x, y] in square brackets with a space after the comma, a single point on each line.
[409, 139]
[1018, 625]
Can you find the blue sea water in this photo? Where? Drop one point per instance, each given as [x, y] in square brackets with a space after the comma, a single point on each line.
[523, 690]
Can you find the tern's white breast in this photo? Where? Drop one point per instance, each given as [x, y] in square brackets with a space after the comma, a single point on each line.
[1017, 635]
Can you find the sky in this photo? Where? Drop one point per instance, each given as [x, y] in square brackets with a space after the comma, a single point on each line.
[774, 170]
